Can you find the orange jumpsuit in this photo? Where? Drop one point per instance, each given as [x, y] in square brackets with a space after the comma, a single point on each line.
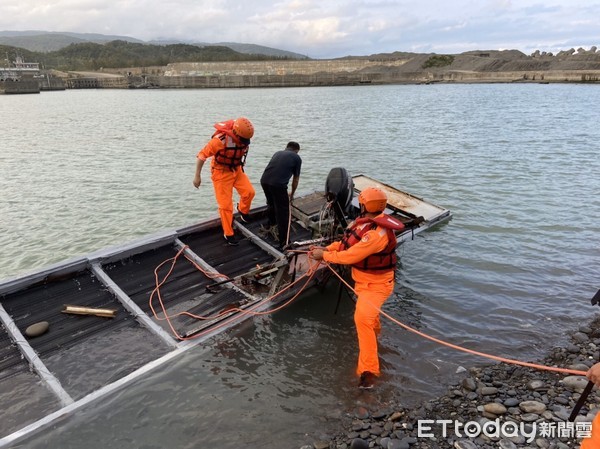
[594, 441]
[225, 179]
[372, 290]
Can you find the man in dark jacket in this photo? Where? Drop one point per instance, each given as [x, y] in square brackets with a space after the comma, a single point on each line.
[274, 181]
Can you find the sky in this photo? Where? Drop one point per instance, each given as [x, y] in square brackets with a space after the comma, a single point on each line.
[326, 28]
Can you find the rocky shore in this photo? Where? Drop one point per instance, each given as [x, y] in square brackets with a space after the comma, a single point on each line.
[499, 406]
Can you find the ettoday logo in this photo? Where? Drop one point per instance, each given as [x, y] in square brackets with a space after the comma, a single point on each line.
[473, 429]
[507, 429]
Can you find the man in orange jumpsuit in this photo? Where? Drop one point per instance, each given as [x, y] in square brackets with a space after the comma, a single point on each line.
[369, 245]
[593, 442]
[228, 148]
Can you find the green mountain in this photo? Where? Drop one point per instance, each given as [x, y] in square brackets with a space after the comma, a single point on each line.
[45, 41]
[116, 54]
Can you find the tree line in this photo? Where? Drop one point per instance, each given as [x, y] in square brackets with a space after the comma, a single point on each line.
[117, 54]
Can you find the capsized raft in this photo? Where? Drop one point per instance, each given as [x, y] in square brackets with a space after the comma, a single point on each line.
[81, 357]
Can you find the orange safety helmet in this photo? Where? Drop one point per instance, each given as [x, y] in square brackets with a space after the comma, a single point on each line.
[243, 128]
[373, 200]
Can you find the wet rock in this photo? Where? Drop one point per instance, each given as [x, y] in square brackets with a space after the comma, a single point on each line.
[361, 413]
[469, 384]
[573, 349]
[359, 443]
[379, 414]
[37, 329]
[579, 367]
[321, 445]
[580, 337]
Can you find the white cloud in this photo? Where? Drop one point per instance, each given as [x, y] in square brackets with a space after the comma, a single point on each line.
[331, 28]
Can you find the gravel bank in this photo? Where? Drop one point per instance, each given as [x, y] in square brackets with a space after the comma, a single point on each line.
[499, 406]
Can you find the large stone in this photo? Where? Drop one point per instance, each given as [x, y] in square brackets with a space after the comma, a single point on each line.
[469, 384]
[361, 413]
[37, 329]
[488, 391]
[359, 443]
[494, 408]
[580, 337]
[575, 383]
[532, 407]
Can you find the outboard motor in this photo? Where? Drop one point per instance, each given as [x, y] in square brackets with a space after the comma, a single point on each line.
[339, 189]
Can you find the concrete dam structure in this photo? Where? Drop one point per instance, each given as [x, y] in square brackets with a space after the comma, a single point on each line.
[412, 69]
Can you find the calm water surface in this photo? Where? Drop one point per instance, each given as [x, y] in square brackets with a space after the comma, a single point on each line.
[511, 274]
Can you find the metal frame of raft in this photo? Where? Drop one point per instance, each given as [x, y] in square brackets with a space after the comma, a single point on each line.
[124, 278]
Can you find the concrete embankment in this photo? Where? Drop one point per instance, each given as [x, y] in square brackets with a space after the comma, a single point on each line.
[338, 72]
[19, 87]
[354, 78]
[31, 85]
[489, 67]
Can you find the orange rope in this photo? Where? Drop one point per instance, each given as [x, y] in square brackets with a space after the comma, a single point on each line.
[249, 311]
[468, 351]
[309, 275]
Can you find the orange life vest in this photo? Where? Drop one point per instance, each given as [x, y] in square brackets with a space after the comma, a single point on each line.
[234, 153]
[384, 260]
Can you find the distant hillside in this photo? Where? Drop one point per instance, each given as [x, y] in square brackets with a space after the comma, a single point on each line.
[35, 40]
[45, 41]
[249, 49]
[40, 43]
[118, 54]
[260, 50]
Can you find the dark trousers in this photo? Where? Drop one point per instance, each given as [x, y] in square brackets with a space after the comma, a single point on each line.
[278, 209]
